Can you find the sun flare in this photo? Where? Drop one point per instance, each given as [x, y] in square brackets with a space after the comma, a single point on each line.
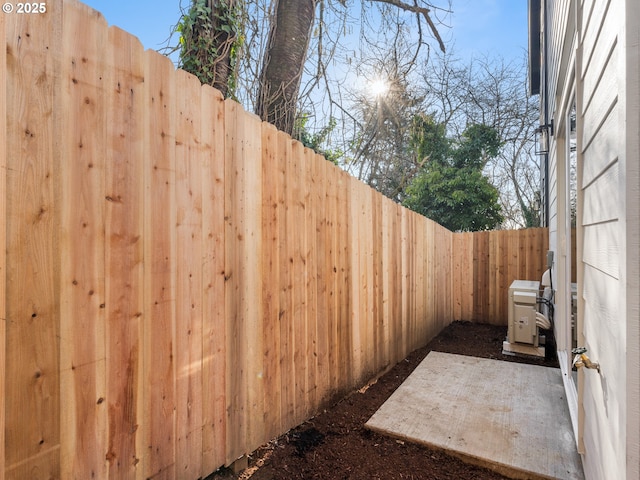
[378, 87]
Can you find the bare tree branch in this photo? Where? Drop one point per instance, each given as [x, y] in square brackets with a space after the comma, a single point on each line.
[420, 10]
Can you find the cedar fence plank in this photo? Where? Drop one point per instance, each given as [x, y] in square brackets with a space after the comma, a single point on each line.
[189, 281]
[251, 275]
[214, 335]
[124, 252]
[333, 275]
[377, 283]
[3, 241]
[32, 420]
[235, 370]
[345, 276]
[272, 213]
[311, 281]
[160, 257]
[296, 235]
[285, 263]
[82, 245]
[321, 252]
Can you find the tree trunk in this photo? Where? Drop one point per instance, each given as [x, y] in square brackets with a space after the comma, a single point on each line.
[224, 32]
[284, 62]
[207, 42]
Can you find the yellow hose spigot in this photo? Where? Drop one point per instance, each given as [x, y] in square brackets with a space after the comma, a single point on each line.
[582, 360]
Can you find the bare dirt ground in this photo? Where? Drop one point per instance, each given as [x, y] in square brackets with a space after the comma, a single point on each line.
[335, 444]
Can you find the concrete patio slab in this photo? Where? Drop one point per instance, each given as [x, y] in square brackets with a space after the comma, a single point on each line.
[510, 417]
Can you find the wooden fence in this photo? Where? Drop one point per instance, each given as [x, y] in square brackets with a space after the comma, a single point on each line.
[182, 282]
[486, 263]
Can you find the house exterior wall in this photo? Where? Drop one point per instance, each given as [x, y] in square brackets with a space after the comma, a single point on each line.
[557, 16]
[601, 68]
[631, 271]
[559, 48]
[593, 49]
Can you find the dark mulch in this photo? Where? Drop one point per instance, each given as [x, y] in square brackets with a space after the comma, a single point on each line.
[335, 445]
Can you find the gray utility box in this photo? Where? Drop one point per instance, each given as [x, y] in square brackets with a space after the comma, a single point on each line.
[522, 333]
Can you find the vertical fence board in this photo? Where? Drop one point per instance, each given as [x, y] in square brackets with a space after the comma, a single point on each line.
[398, 283]
[251, 269]
[332, 265]
[377, 260]
[345, 278]
[532, 256]
[189, 281]
[413, 273]
[406, 249]
[458, 262]
[214, 327]
[272, 212]
[493, 272]
[368, 321]
[285, 268]
[467, 279]
[321, 251]
[361, 285]
[482, 278]
[3, 238]
[516, 263]
[358, 286]
[369, 221]
[460, 276]
[502, 262]
[235, 322]
[236, 346]
[422, 261]
[500, 265]
[243, 271]
[160, 269]
[386, 286]
[415, 267]
[434, 234]
[32, 428]
[124, 255]
[353, 287]
[82, 245]
[311, 282]
[296, 235]
[428, 283]
[417, 244]
[447, 316]
[397, 306]
[439, 268]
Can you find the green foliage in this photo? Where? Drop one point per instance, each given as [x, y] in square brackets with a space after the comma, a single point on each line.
[458, 199]
[316, 140]
[428, 141]
[451, 188]
[479, 144]
[203, 34]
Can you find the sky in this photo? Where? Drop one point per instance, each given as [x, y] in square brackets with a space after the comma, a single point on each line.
[477, 27]
[480, 27]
